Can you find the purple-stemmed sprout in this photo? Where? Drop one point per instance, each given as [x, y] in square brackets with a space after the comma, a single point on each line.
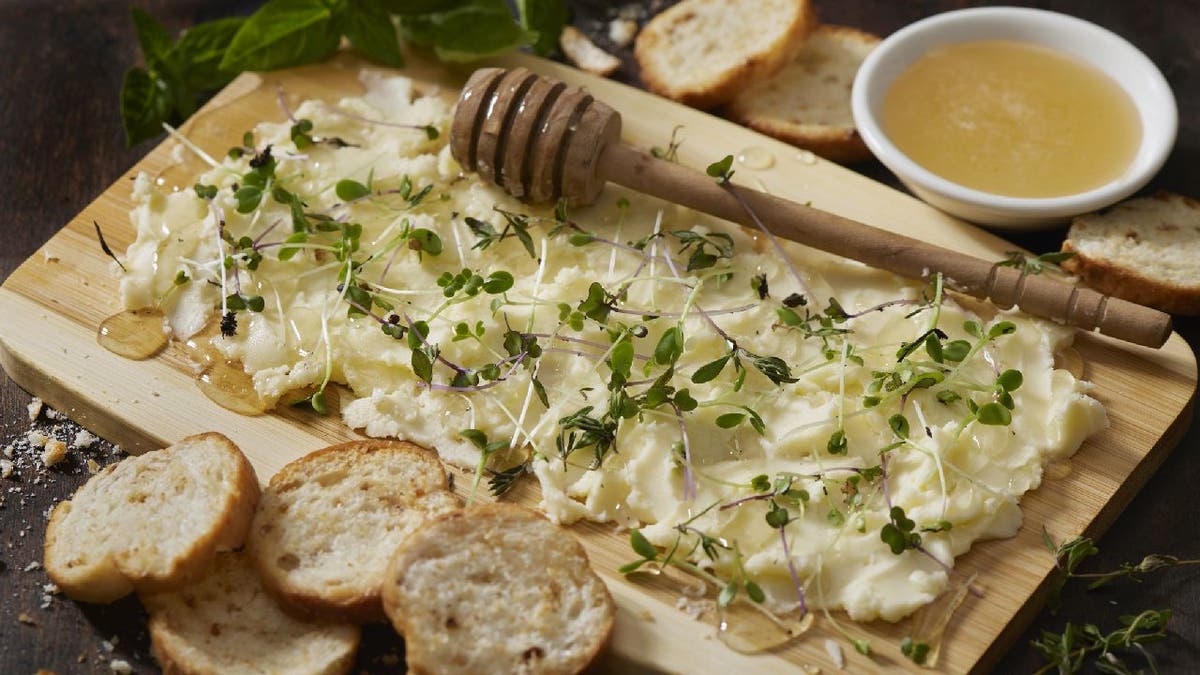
[882, 306]
[767, 495]
[787, 556]
[395, 125]
[588, 343]
[689, 478]
[258, 240]
[710, 312]
[517, 361]
[887, 498]
[282, 101]
[732, 189]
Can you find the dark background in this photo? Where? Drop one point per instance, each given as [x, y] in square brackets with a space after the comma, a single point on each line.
[61, 145]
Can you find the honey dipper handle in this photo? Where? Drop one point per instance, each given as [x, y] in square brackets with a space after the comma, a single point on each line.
[1004, 286]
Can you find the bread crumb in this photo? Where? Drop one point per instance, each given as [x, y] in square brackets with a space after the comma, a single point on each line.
[6, 468]
[35, 565]
[54, 452]
[835, 652]
[84, 439]
[106, 646]
[36, 438]
[26, 619]
[580, 50]
[93, 466]
[34, 408]
[120, 666]
[51, 588]
[9, 450]
[622, 31]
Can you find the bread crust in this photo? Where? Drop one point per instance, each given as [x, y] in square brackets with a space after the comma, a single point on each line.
[116, 575]
[759, 61]
[836, 143]
[1111, 277]
[303, 601]
[453, 525]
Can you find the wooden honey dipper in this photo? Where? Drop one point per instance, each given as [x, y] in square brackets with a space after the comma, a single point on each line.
[540, 140]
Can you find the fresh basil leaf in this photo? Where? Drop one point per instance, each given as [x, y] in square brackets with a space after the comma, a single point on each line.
[371, 32]
[153, 38]
[471, 31]
[283, 33]
[198, 54]
[145, 105]
[546, 18]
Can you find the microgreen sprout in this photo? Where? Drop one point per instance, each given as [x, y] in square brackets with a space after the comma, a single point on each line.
[671, 152]
[1035, 264]
[486, 449]
[721, 169]
[916, 652]
[707, 249]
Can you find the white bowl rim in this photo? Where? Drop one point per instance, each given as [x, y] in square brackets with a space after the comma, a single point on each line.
[1159, 140]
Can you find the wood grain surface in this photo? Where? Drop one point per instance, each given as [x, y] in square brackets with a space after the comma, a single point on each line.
[61, 147]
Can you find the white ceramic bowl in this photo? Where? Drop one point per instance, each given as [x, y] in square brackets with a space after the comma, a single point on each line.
[1110, 53]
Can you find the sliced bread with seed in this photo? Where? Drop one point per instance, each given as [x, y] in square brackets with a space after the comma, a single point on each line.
[496, 589]
[702, 52]
[151, 522]
[807, 103]
[329, 522]
[1145, 250]
[226, 624]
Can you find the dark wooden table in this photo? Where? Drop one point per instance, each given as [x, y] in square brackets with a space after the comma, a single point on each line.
[61, 145]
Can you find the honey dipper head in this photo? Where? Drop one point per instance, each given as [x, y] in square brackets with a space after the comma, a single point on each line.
[536, 137]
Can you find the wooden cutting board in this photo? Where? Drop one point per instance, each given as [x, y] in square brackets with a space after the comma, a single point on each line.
[51, 306]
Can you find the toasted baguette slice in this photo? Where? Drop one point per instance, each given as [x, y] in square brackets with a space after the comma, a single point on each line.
[807, 103]
[701, 52]
[152, 522]
[329, 522]
[226, 624]
[496, 589]
[1145, 250]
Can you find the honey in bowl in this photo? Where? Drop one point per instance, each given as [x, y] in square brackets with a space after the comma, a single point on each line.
[1012, 119]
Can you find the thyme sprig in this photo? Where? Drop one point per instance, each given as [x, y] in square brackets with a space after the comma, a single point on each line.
[1067, 651]
[1070, 554]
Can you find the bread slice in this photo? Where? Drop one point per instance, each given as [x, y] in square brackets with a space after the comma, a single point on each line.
[701, 52]
[151, 522]
[1145, 250]
[226, 624]
[807, 103]
[496, 589]
[329, 522]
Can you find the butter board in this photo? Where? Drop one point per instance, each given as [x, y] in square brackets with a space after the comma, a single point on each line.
[51, 306]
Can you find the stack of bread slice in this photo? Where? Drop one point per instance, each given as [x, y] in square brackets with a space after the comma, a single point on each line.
[771, 65]
[359, 532]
